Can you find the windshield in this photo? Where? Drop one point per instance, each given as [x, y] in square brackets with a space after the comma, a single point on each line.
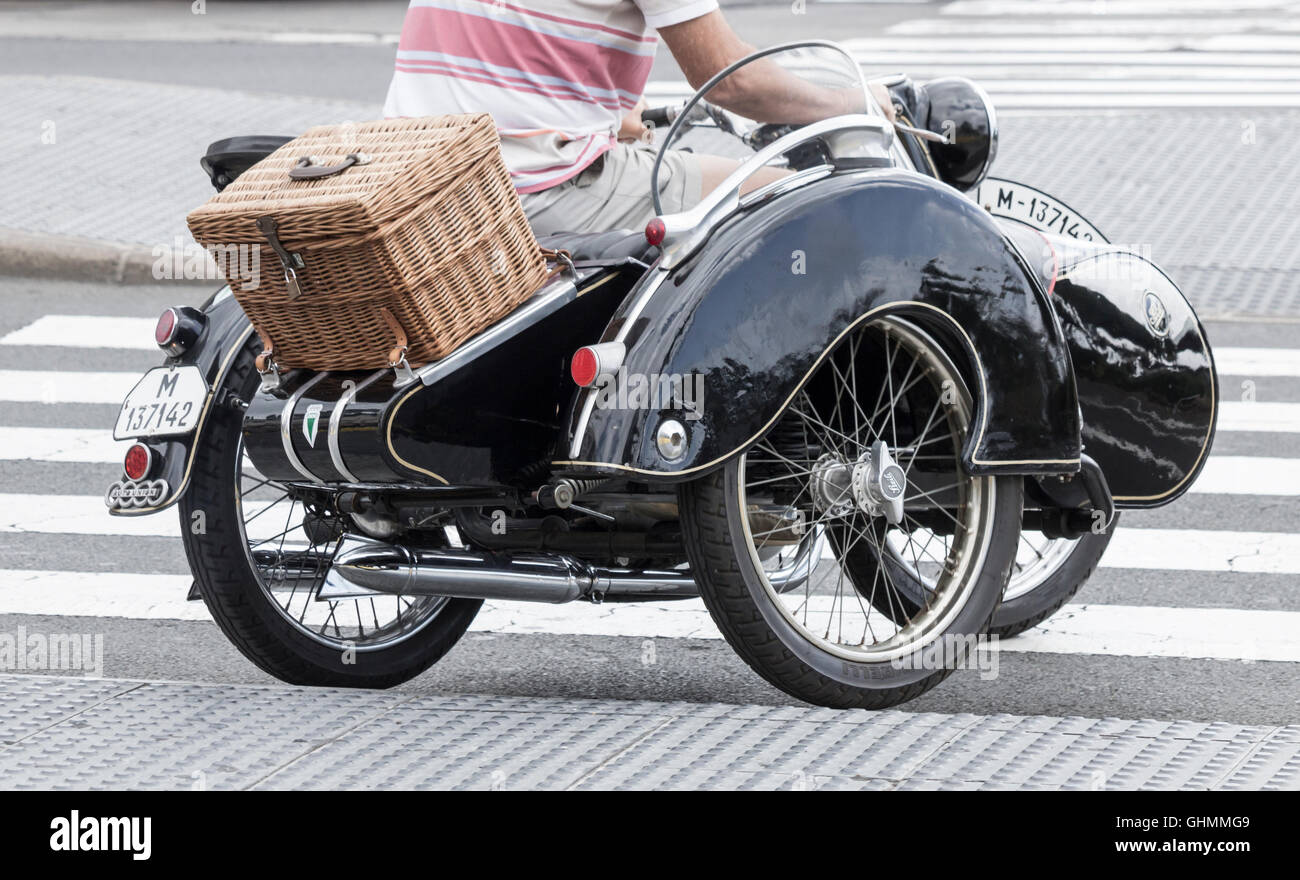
[763, 96]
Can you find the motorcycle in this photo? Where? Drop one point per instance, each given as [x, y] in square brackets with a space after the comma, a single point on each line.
[849, 409]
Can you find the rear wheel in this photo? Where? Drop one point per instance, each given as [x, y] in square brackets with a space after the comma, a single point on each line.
[868, 457]
[261, 556]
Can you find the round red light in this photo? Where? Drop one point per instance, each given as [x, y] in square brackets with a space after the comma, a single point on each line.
[655, 231]
[166, 326]
[584, 367]
[137, 462]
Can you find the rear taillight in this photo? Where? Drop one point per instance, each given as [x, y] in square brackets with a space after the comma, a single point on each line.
[138, 462]
[165, 329]
[178, 328]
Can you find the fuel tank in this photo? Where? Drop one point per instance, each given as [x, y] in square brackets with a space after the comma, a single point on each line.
[1142, 363]
[481, 416]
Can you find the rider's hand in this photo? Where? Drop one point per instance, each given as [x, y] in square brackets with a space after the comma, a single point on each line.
[633, 129]
[883, 98]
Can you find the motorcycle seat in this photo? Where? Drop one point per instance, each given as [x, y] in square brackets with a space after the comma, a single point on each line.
[614, 246]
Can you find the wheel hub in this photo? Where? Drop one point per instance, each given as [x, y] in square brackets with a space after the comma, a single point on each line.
[832, 486]
[879, 483]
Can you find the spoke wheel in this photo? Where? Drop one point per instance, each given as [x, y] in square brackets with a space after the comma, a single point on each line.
[260, 558]
[291, 549]
[868, 454]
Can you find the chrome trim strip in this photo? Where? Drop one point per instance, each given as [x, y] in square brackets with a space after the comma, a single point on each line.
[336, 417]
[546, 301]
[286, 428]
[589, 395]
[688, 230]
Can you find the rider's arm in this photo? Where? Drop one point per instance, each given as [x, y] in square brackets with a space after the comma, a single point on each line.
[762, 91]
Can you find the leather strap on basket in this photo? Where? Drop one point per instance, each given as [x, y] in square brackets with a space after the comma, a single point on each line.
[398, 352]
[562, 260]
[264, 362]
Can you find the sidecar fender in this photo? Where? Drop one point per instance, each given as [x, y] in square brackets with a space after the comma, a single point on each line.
[751, 316]
[227, 332]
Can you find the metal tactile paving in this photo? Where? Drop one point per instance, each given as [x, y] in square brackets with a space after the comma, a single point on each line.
[88, 733]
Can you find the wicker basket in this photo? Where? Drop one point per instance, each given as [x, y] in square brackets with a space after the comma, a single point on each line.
[419, 242]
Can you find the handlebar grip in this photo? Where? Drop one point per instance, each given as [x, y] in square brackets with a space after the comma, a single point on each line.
[658, 116]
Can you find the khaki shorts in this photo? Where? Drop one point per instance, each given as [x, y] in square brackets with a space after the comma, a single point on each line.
[614, 192]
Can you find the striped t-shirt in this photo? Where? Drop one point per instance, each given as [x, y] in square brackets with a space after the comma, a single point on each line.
[557, 75]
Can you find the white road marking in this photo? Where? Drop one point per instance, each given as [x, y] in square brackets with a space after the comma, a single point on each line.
[1053, 26]
[1259, 416]
[1204, 550]
[1257, 362]
[86, 331]
[1172, 549]
[1150, 631]
[1248, 475]
[1110, 7]
[65, 386]
[61, 444]
[1138, 631]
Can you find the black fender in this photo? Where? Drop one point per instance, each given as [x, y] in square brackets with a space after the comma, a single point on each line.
[228, 330]
[765, 300]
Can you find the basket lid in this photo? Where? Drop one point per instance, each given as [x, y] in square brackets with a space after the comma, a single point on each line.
[347, 179]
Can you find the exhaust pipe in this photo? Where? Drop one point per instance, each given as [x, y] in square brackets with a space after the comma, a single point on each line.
[366, 567]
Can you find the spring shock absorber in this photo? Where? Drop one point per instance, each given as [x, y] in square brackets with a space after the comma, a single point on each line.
[560, 494]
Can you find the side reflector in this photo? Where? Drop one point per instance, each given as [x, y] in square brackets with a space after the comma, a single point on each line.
[655, 231]
[593, 361]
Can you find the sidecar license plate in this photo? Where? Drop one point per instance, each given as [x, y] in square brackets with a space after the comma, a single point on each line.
[1033, 207]
[165, 403]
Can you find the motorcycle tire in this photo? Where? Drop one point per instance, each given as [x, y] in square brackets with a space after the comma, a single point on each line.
[724, 511]
[214, 528]
[1069, 565]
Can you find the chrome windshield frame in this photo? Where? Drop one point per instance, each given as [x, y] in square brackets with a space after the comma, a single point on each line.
[700, 93]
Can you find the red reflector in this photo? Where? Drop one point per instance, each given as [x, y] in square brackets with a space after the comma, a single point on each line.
[166, 326]
[655, 231]
[138, 461]
[584, 367]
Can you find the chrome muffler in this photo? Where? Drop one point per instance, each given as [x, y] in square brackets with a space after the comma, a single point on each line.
[363, 567]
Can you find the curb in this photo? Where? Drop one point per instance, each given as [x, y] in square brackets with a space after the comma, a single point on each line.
[69, 258]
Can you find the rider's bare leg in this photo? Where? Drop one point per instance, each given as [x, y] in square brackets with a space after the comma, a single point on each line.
[714, 170]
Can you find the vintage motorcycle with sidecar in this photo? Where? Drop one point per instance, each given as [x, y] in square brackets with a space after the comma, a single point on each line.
[868, 412]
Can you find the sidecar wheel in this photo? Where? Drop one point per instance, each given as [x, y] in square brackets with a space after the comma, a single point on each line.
[824, 638]
[259, 556]
[1046, 574]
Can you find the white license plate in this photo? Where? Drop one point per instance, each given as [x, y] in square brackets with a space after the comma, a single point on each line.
[1033, 207]
[166, 402]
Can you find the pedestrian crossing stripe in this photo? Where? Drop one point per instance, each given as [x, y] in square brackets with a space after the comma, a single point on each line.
[1117, 630]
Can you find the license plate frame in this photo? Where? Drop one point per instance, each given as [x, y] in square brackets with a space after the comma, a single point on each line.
[166, 402]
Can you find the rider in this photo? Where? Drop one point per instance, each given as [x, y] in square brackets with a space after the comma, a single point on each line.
[563, 79]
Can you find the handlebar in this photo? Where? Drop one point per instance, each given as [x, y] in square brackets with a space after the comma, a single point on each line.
[659, 116]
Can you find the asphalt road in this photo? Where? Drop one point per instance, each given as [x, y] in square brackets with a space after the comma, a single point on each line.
[1099, 680]
[695, 670]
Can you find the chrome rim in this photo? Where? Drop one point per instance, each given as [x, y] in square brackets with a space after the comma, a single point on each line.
[1037, 558]
[887, 395]
[291, 563]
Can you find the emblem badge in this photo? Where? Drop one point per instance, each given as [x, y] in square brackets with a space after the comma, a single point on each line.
[310, 423]
[1156, 313]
